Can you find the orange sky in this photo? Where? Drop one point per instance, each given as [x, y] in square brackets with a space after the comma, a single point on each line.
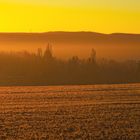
[104, 16]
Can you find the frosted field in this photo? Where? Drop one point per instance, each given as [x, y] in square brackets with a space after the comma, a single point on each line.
[98, 112]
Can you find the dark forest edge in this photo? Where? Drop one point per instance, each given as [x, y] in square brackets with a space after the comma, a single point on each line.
[42, 68]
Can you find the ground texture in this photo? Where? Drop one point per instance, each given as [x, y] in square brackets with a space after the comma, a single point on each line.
[98, 112]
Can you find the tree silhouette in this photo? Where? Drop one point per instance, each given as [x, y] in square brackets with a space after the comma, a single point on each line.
[42, 68]
[39, 53]
[92, 58]
[48, 53]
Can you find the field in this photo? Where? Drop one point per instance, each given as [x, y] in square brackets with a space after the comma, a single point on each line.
[92, 112]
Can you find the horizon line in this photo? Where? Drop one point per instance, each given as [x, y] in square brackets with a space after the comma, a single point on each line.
[20, 32]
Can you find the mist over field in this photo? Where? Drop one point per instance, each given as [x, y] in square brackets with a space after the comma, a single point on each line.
[44, 68]
[116, 46]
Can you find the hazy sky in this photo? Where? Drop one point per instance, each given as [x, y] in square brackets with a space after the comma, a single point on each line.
[105, 16]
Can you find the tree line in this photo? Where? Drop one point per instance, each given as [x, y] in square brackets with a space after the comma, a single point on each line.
[42, 68]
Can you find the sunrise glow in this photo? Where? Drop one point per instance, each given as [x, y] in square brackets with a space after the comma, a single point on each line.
[104, 16]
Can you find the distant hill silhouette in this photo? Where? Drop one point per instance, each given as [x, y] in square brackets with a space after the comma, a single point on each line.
[72, 37]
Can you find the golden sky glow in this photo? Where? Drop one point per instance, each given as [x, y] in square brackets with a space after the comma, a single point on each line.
[104, 16]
